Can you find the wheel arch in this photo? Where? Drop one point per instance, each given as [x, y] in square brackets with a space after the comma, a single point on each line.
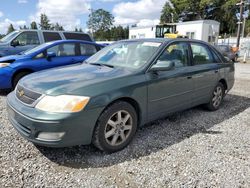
[19, 71]
[224, 83]
[132, 102]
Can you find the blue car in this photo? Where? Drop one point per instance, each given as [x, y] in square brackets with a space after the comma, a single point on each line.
[44, 56]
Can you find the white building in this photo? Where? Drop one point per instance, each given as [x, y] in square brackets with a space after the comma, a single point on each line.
[206, 30]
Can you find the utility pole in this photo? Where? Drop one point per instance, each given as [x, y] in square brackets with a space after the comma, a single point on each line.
[241, 4]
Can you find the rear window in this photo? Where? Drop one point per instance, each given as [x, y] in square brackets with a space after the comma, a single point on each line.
[88, 49]
[51, 36]
[77, 36]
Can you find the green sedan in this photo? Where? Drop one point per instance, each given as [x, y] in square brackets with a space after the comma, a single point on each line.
[125, 85]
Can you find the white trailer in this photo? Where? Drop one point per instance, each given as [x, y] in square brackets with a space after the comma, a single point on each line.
[206, 30]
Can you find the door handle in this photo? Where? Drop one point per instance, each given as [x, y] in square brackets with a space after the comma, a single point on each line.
[216, 71]
[199, 76]
[189, 77]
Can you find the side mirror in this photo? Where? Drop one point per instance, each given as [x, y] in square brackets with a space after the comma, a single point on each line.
[50, 55]
[15, 43]
[162, 66]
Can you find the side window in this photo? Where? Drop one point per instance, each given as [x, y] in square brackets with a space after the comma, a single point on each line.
[39, 56]
[77, 36]
[176, 53]
[68, 49]
[201, 54]
[51, 36]
[88, 49]
[216, 56]
[28, 38]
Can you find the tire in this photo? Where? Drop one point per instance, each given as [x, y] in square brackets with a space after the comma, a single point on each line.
[217, 97]
[17, 77]
[113, 133]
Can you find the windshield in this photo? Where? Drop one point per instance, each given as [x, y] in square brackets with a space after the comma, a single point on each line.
[130, 54]
[224, 48]
[30, 51]
[10, 36]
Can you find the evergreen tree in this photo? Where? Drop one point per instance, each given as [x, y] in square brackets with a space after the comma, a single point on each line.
[44, 22]
[10, 29]
[33, 25]
[57, 27]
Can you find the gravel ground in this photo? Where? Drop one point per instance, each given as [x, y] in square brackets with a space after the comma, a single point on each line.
[194, 148]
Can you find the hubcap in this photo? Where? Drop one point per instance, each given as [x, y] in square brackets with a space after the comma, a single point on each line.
[217, 97]
[118, 128]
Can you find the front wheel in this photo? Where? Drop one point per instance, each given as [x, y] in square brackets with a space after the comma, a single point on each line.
[217, 97]
[115, 127]
[17, 78]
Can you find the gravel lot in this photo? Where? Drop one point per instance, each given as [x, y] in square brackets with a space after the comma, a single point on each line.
[194, 148]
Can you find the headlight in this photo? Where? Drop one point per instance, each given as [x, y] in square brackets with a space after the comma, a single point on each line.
[62, 103]
[4, 65]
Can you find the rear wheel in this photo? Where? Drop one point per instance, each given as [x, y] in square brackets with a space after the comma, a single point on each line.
[116, 127]
[217, 97]
[17, 77]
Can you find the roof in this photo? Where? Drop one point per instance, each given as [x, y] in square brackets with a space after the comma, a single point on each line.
[179, 23]
[51, 31]
[148, 40]
[199, 21]
[165, 40]
[72, 41]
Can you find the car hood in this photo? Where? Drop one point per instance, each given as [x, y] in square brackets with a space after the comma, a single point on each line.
[73, 79]
[12, 58]
[3, 44]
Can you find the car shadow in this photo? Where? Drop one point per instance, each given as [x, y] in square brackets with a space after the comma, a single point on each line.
[4, 92]
[152, 137]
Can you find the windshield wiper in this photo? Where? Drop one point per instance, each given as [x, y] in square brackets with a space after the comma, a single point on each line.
[102, 64]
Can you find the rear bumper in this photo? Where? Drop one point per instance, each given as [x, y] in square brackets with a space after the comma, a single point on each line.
[30, 123]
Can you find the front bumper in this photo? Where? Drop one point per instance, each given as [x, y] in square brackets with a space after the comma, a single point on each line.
[5, 78]
[30, 122]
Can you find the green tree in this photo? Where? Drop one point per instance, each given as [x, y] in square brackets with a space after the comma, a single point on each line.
[222, 11]
[57, 27]
[44, 22]
[10, 29]
[99, 23]
[33, 25]
[23, 27]
[168, 14]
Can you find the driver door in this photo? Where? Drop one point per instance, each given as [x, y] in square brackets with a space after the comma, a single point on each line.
[172, 90]
[24, 41]
[65, 54]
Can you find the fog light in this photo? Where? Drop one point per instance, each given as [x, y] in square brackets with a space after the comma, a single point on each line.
[50, 136]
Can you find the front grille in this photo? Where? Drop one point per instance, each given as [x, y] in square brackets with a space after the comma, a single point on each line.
[27, 96]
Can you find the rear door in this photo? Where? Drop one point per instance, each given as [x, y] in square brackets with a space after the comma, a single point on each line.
[170, 91]
[77, 36]
[87, 50]
[51, 36]
[26, 40]
[205, 72]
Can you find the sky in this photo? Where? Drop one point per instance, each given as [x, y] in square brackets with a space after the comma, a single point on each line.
[74, 13]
